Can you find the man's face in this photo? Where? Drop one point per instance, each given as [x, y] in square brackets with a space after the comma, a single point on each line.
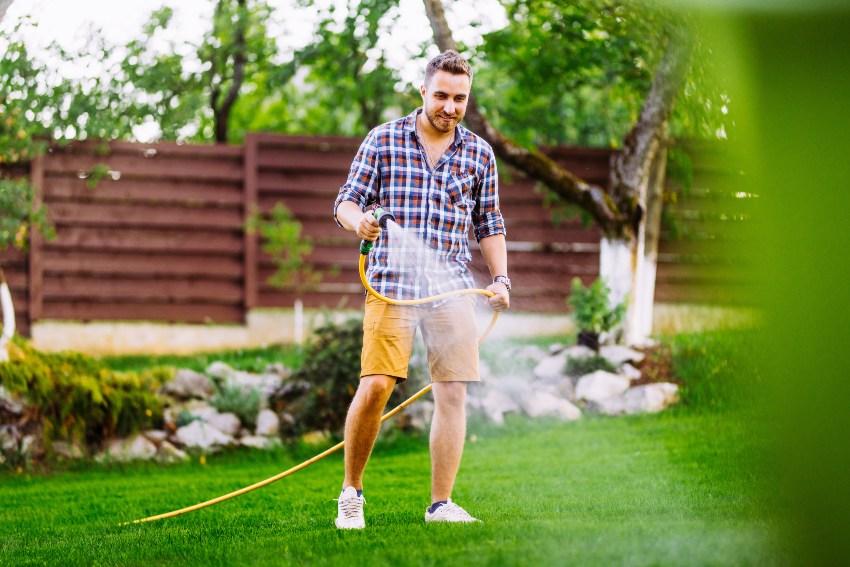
[444, 99]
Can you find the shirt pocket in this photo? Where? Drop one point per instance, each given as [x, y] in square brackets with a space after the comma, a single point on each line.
[460, 191]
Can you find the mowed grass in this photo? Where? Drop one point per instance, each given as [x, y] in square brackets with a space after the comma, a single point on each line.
[669, 489]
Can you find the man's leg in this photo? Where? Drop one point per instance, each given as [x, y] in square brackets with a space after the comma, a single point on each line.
[363, 423]
[448, 431]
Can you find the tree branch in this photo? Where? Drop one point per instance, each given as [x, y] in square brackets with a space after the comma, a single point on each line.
[535, 164]
[222, 113]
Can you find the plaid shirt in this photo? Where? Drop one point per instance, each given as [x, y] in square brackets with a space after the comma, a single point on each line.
[439, 205]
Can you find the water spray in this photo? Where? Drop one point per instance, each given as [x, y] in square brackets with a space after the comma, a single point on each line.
[383, 217]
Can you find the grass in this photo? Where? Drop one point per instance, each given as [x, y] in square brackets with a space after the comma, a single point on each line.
[250, 360]
[681, 487]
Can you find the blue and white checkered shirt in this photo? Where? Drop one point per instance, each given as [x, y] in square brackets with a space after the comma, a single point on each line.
[439, 206]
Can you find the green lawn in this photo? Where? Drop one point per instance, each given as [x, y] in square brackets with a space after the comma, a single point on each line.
[670, 489]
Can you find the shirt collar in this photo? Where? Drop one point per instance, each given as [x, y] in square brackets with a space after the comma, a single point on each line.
[410, 126]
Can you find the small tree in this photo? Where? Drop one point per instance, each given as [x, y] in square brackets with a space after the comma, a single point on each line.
[592, 311]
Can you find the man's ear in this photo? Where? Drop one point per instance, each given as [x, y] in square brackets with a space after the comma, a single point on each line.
[422, 90]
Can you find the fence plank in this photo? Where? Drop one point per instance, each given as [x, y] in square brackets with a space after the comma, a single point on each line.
[250, 208]
[36, 269]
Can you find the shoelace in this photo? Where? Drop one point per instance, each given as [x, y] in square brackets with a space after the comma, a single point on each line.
[351, 507]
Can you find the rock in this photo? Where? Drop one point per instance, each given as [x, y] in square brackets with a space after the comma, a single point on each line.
[279, 369]
[630, 372]
[533, 353]
[168, 453]
[618, 354]
[291, 389]
[156, 436]
[31, 445]
[197, 409]
[268, 424]
[496, 404]
[266, 384]
[649, 398]
[257, 442]
[315, 437]
[539, 404]
[10, 437]
[600, 385]
[555, 348]
[565, 388]
[552, 367]
[131, 448]
[189, 384]
[579, 351]
[67, 450]
[228, 423]
[9, 403]
[200, 435]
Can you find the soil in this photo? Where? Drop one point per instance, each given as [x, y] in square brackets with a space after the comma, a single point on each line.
[657, 366]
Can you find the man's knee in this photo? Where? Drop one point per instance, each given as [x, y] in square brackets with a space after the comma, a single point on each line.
[450, 394]
[376, 389]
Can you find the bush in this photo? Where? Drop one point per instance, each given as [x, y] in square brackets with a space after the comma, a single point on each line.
[591, 310]
[332, 367]
[76, 399]
[244, 403]
[588, 364]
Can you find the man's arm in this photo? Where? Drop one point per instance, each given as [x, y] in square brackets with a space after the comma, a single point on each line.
[495, 253]
[364, 225]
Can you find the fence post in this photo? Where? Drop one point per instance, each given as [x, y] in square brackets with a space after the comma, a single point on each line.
[250, 207]
[36, 268]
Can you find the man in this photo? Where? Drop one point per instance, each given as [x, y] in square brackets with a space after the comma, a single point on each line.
[438, 179]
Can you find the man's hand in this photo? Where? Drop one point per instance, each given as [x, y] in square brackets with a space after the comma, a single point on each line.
[368, 228]
[502, 300]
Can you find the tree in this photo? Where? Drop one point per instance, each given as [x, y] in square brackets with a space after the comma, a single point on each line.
[620, 209]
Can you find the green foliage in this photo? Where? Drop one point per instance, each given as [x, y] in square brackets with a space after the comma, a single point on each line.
[591, 309]
[588, 364]
[245, 403]
[250, 360]
[332, 367]
[282, 240]
[79, 400]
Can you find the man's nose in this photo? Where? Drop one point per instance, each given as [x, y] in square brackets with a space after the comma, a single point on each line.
[449, 108]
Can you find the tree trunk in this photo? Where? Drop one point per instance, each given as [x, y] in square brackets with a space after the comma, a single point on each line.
[4, 5]
[221, 110]
[8, 317]
[619, 211]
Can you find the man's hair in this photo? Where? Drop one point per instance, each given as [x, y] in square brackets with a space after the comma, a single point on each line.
[450, 61]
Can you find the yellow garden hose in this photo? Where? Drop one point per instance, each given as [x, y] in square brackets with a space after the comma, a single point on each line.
[341, 444]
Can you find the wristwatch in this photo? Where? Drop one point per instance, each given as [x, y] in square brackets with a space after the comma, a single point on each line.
[503, 280]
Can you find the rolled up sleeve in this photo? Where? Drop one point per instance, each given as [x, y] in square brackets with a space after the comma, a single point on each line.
[486, 216]
[363, 181]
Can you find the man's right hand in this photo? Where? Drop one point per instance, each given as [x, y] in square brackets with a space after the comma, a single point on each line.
[368, 228]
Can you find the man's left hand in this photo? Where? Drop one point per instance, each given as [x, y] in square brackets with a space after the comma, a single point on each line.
[502, 300]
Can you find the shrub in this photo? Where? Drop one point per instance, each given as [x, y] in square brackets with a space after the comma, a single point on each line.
[78, 400]
[332, 367]
[588, 364]
[245, 403]
[591, 311]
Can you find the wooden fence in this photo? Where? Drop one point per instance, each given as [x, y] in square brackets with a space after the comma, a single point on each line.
[156, 232]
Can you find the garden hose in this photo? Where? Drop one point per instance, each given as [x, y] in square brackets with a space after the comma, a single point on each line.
[365, 247]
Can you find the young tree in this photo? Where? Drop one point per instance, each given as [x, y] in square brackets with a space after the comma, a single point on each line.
[628, 210]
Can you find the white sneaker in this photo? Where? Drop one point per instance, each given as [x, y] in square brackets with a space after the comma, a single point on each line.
[449, 512]
[349, 510]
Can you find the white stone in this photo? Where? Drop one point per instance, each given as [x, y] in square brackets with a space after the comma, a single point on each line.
[630, 372]
[540, 403]
[268, 424]
[228, 423]
[533, 353]
[256, 441]
[600, 385]
[156, 435]
[649, 398]
[9, 402]
[618, 354]
[496, 404]
[67, 450]
[202, 435]
[168, 453]
[552, 367]
[555, 348]
[189, 384]
[132, 448]
[579, 351]
[195, 408]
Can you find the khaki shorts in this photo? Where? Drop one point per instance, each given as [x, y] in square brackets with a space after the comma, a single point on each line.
[449, 331]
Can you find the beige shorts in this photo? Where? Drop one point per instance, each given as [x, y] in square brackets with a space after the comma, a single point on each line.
[449, 332]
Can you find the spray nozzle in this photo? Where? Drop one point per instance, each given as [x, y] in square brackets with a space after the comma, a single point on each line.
[383, 216]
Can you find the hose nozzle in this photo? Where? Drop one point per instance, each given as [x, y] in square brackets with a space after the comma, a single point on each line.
[383, 217]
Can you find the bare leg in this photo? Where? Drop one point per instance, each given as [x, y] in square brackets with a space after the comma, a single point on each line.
[363, 423]
[448, 431]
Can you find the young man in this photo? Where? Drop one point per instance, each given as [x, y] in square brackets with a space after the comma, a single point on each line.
[438, 179]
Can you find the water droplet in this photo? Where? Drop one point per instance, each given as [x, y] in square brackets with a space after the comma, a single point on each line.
[149, 152]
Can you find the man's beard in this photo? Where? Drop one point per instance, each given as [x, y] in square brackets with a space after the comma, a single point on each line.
[440, 122]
